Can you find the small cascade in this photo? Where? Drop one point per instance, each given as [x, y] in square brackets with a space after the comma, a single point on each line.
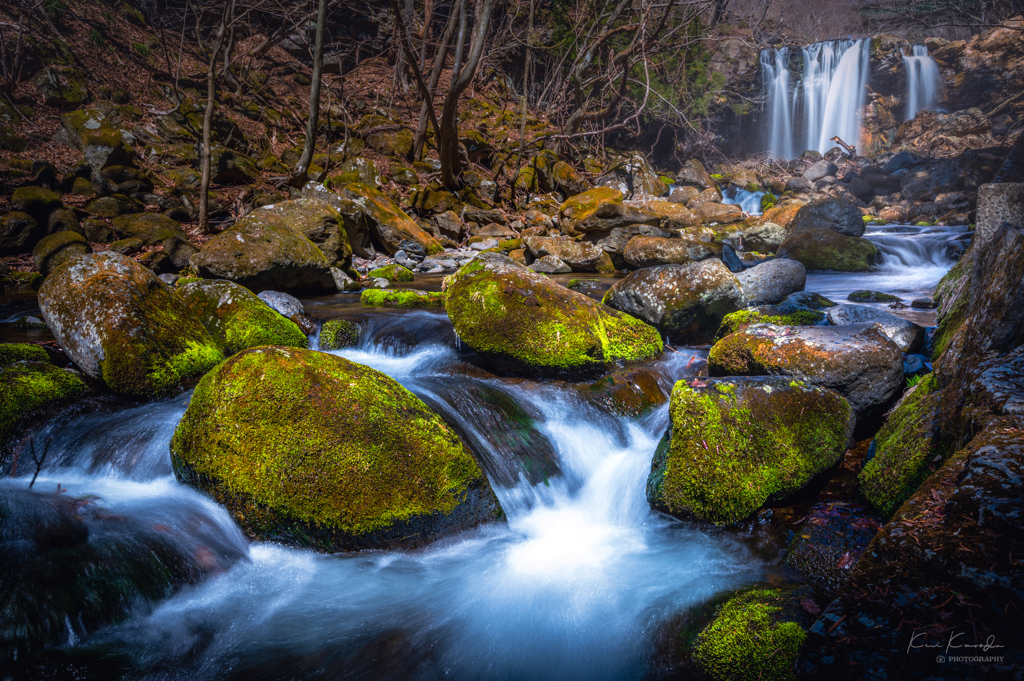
[923, 80]
[827, 101]
[749, 201]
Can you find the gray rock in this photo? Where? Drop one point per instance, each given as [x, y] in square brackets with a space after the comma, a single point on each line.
[731, 260]
[799, 184]
[905, 333]
[915, 365]
[900, 161]
[832, 213]
[924, 303]
[484, 245]
[549, 264]
[803, 301]
[169, 278]
[764, 238]
[344, 282]
[819, 170]
[285, 304]
[998, 204]
[770, 282]
[649, 251]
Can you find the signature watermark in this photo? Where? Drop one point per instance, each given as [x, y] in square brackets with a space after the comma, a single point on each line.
[956, 643]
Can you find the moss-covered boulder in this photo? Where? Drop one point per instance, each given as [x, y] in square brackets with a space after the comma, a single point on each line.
[568, 180]
[62, 86]
[321, 223]
[56, 249]
[358, 169]
[236, 319]
[392, 272]
[580, 256]
[375, 297]
[865, 296]
[312, 450]
[748, 642]
[859, 361]
[120, 324]
[904, 449]
[151, 228]
[31, 385]
[114, 205]
[767, 314]
[19, 231]
[38, 202]
[684, 302]
[339, 333]
[581, 206]
[91, 133]
[264, 252]
[522, 321]
[823, 249]
[16, 352]
[651, 251]
[228, 166]
[737, 443]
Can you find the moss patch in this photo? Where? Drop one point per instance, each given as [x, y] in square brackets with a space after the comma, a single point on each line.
[737, 321]
[339, 333]
[237, 319]
[26, 387]
[15, 352]
[823, 249]
[376, 297]
[392, 272]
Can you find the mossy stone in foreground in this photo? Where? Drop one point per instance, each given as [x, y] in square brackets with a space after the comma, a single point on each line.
[746, 643]
[120, 324]
[392, 272]
[28, 386]
[522, 321]
[737, 443]
[312, 450]
[377, 297]
[236, 318]
[339, 333]
[16, 352]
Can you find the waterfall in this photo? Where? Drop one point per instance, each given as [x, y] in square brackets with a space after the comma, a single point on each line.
[827, 102]
[922, 81]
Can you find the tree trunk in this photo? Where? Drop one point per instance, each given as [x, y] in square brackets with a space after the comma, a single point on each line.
[440, 56]
[301, 172]
[226, 21]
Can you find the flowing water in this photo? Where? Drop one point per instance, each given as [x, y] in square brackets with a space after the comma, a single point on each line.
[923, 81]
[576, 585]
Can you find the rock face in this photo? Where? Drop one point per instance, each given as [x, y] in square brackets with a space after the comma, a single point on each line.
[522, 321]
[737, 443]
[859, 361]
[264, 252]
[685, 302]
[823, 249]
[119, 324]
[237, 319]
[312, 450]
[651, 251]
[831, 213]
[30, 385]
[771, 282]
[905, 333]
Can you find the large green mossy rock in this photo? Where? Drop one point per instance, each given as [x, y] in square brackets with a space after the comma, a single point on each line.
[521, 321]
[265, 252]
[823, 249]
[120, 324]
[309, 449]
[16, 352]
[321, 223]
[737, 443]
[27, 387]
[392, 272]
[748, 642]
[375, 297]
[904, 449]
[236, 318]
[150, 228]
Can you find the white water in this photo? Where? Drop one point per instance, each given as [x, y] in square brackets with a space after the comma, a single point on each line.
[827, 101]
[749, 202]
[923, 81]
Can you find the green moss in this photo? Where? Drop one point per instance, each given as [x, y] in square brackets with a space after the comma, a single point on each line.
[952, 295]
[392, 272]
[578, 208]
[339, 333]
[184, 281]
[15, 352]
[376, 297]
[746, 643]
[237, 319]
[872, 297]
[28, 386]
[905, 449]
[738, 443]
[823, 249]
[311, 448]
[737, 321]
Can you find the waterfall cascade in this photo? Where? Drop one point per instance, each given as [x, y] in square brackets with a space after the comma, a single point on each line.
[828, 100]
[923, 81]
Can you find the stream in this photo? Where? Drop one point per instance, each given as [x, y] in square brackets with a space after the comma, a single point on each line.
[577, 583]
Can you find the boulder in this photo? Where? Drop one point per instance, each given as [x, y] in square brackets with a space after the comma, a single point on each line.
[549, 264]
[53, 251]
[684, 302]
[768, 314]
[63, 220]
[179, 251]
[284, 304]
[568, 180]
[151, 228]
[375, 297]
[770, 282]
[327, 454]
[339, 333]
[736, 443]
[62, 86]
[765, 237]
[683, 195]
[100, 142]
[121, 325]
[651, 251]
[693, 174]
[236, 319]
[799, 185]
[783, 214]
[358, 169]
[521, 321]
[38, 202]
[906, 334]
[823, 249]
[114, 205]
[859, 361]
[264, 252]
[228, 166]
[673, 215]
[804, 301]
[321, 223]
[865, 296]
[30, 386]
[720, 212]
[19, 231]
[580, 256]
[711, 195]
[392, 272]
[820, 169]
[832, 213]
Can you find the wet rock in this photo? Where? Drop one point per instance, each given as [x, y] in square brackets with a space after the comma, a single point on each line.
[865, 296]
[768, 314]
[907, 335]
[770, 282]
[284, 304]
[684, 302]
[30, 385]
[521, 321]
[824, 249]
[923, 304]
[549, 264]
[859, 361]
[819, 170]
[736, 443]
[393, 272]
[401, 298]
[237, 319]
[580, 256]
[832, 213]
[339, 333]
[351, 459]
[650, 251]
[119, 324]
[764, 238]
[53, 251]
[630, 391]
[829, 541]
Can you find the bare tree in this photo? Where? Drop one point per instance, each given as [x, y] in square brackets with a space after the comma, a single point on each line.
[301, 172]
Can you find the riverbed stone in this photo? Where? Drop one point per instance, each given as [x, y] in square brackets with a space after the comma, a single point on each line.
[580, 256]
[284, 304]
[832, 213]
[859, 361]
[31, 385]
[771, 282]
[375, 297]
[736, 443]
[392, 272]
[905, 333]
[549, 264]
[121, 325]
[152, 228]
[521, 321]
[56, 249]
[765, 237]
[19, 231]
[651, 251]
[684, 302]
[309, 449]
[824, 249]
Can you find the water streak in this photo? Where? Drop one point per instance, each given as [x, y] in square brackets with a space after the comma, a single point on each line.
[923, 81]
